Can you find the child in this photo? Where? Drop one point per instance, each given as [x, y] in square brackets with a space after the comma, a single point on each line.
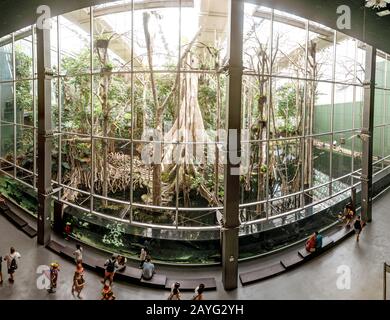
[142, 257]
[107, 293]
[78, 254]
[78, 281]
[54, 269]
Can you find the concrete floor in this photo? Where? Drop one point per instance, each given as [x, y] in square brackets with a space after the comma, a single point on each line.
[316, 279]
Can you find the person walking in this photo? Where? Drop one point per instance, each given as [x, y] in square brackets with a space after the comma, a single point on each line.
[199, 292]
[78, 254]
[78, 281]
[54, 270]
[175, 295]
[175, 292]
[12, 263]
[111, 266]
[358, 226]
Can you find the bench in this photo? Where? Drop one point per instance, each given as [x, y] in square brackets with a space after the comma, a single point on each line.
[15, 219]
[327, 243]
[55, 246]
[130, 274]
[158, 281]
[342, 234]
[30, 231]
[89, 262]
[292, 261]
[3, 207]
[261, 274]
[191, 284]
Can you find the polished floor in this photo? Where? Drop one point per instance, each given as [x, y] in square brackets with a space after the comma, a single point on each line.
[317, 279]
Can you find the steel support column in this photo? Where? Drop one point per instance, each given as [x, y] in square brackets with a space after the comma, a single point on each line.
[367, 133]
[233, 147]
[45, 135]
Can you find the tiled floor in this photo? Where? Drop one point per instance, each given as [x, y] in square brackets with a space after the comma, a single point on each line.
[314, 280]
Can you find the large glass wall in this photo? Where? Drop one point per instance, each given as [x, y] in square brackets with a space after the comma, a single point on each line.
[127, 76]
[138, 108]
[302, 106]
[18, 121]
[381, 153]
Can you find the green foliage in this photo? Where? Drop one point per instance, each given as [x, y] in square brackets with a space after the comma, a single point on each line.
[114, 235]
[16, 191]
[207, 98]
[287, 108]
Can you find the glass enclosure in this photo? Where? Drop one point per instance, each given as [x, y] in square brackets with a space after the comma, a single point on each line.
[128, 75]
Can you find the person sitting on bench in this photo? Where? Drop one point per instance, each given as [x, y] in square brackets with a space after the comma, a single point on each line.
[311, 243]
[318, 240]
[148, 269]
[122, 260]
[348, 215]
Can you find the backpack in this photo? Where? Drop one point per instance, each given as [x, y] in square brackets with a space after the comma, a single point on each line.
[13, 266]
[110, 266]
[80, 281]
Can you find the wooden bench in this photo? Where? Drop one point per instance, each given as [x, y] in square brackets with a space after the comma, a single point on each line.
[191, 284]
[327, 243]
[342, 234]
[3, 207]
[30, 231]
[261, 274]
[89, 262]
[292, 261]
[68, 253]
[55, 246]
[158, 281]
[130, 274]
[15, 219]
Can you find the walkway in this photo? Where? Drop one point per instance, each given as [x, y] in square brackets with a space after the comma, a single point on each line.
[314, 280]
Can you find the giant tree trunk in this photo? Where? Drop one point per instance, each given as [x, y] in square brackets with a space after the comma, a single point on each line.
[104, 86]
[156, 189]
[189, 129]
